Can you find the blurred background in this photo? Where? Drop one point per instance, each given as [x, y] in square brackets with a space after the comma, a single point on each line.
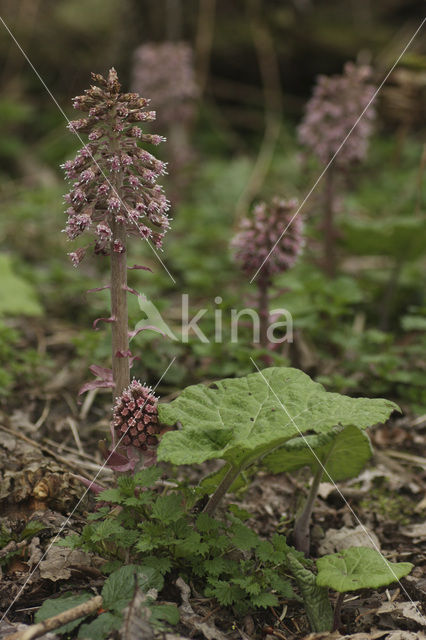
[229, 81]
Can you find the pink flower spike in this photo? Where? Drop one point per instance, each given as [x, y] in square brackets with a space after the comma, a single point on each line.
[140, 266]
[95, 324]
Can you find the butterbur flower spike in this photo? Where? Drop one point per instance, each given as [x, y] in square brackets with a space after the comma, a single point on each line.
[336, 105]
[135, 417]
[112, 176]
[270, 240]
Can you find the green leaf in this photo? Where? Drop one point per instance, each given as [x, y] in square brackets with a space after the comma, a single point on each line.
[167, 612]
[243, 537]
[315, 597]
[264, 600]
[167, 508]
[224, 592]
[147, 477]
[343, 453]
[111, 495]
[119, 587]
[32, 528]
[101, 627]
[359, 568]
[54, 606]
[241, 419]
[17, 296]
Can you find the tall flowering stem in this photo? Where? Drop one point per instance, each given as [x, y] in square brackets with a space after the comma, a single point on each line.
[335, 107]
[268, 243]
[114, 195]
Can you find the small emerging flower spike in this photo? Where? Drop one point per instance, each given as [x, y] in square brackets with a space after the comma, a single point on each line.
[258, 235]
[135, 417]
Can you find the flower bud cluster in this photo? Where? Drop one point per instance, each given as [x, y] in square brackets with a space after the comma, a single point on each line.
[113, 178]
[336, 104]
[165, 72]
[135, 416]
[259, 234]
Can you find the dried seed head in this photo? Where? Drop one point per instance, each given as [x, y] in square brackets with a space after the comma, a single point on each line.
[112, 175]
[259, 234]
[135, 416]
[336, 105]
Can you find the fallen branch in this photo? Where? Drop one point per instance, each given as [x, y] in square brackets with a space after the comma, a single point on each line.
[37, 630]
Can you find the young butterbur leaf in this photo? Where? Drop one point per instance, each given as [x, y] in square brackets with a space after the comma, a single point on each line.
[54, 606]
[101, 627]
[359, 568]
[315, 597]
[119, 588]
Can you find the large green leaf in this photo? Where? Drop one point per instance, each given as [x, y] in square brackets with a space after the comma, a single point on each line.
[359, 568]
[343, 454]
[240, 419]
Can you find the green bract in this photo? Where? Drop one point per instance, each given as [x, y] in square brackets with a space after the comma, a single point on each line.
[359, 568]
[240, 420]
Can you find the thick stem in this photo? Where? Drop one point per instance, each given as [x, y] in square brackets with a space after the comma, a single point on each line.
[263, 305]
[301, 528]
[221, 490]
[337, 611]
[120, 335]
[328, 226]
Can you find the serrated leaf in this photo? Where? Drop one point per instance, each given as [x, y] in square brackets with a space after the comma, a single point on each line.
[119, 587]
[167, 612]
[224, 592]
[242, 537]
[249, 584]
[147, 477]
[101, 627]
[167, 509]
[359, 568]
[54, 606]
[241, 419]
[343, 453]
[110, 495]
[162, 565]
[207, 523]
[264, 600]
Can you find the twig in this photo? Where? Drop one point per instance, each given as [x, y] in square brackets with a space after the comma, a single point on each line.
[36, 630]
[73, 426]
